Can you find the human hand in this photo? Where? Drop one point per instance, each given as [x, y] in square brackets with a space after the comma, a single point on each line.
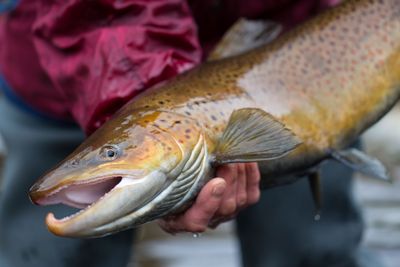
[220, 200]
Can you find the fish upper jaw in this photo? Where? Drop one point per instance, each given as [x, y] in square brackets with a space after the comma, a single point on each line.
[71, 190]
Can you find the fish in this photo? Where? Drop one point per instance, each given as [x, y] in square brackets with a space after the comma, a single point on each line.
[288, 104]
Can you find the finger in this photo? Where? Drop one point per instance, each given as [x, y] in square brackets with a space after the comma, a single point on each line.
[218, 220]
[241, 191]
[169, 226]
[253, 183]
[197, 217]
[229, 172]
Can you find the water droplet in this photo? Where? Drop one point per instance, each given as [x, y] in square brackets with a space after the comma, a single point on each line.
[196, 235]
[317, 217]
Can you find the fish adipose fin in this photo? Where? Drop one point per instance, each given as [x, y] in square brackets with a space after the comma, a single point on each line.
[314, 180]
[243, 36]
[254, 135]
[363, 163]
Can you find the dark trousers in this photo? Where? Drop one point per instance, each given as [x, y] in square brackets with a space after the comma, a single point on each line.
[280, 231]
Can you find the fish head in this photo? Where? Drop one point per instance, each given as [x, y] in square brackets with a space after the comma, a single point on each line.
[133, 169]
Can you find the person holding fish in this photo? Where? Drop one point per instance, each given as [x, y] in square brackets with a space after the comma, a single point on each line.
[81, 61]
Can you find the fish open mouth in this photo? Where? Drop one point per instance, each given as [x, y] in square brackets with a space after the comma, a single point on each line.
[106, 203]
[80, 196]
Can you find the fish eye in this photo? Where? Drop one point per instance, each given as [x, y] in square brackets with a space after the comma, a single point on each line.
[109, 152]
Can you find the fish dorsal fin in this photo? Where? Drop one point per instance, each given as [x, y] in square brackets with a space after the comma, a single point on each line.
[254, 135]
[363, 163]
[245, 35]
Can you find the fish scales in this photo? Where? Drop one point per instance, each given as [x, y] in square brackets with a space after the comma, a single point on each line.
[310, 92]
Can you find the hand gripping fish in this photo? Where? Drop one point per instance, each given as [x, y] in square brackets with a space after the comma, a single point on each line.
[302, 98]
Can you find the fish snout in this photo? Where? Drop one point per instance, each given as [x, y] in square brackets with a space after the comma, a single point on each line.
[36, 194]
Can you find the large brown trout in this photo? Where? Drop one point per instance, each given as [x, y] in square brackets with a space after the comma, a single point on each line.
[289, 104]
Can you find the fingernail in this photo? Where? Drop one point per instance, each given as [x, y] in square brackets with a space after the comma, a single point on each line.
[218, 190]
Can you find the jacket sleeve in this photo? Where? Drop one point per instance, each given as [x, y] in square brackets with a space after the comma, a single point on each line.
[99, 54]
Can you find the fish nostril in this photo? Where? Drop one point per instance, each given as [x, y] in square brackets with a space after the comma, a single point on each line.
[75, 162]
[35, 187]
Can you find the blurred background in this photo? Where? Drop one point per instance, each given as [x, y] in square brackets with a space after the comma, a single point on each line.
[2, 155]
[380, 204]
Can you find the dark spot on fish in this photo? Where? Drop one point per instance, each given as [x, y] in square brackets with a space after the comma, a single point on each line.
[187, 136]
[162, 120]
[188, 113]
[187, 131]
[161, 102]
[213, 118]
[177, 122]
[181, 141]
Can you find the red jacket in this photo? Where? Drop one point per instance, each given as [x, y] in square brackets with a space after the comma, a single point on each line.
[82, 60]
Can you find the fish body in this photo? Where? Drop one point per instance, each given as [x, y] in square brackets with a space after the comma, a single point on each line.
[317, 88]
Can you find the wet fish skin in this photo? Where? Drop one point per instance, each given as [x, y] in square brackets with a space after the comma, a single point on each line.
[326, 81]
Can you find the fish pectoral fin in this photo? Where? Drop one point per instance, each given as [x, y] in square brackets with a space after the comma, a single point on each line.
[254, 135]
[245, 35]
[314, 180]
[363, 163]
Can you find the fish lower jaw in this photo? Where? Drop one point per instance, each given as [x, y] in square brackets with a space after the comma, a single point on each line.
[99, 217]
[80, 196]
